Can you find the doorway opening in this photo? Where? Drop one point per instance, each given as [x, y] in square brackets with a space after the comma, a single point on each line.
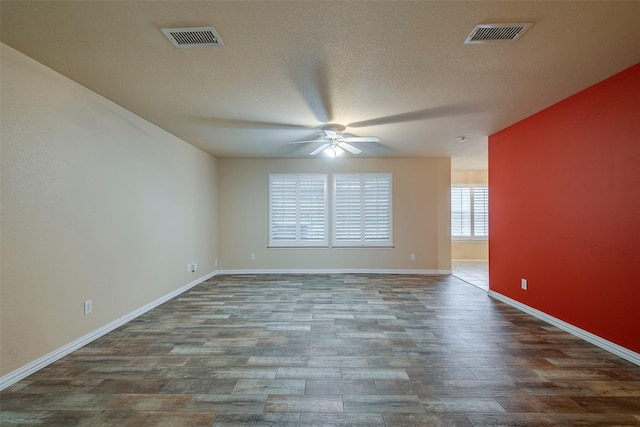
[470, 227]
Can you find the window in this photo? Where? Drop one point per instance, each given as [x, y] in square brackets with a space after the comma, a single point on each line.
[298, 210]
[362, 210]
[470, 212]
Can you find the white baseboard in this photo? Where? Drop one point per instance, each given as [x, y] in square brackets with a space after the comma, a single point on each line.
[604, 344]
[32, 367]
[334, 271]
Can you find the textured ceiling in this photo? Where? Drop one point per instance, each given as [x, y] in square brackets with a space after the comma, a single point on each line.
[397, 70]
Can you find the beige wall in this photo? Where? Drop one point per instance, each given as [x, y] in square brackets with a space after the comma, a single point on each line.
[421, 191]
[470, 250]
[469, 177]
[96, 204]
[467, 249]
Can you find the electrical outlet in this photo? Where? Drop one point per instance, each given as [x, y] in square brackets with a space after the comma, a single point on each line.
[195, 266]
[523, 284]
[413, 257]
[88, 307]
[253, 257]
[189, 268]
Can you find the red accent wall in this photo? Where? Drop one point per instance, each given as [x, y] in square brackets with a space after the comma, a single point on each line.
[565, 210]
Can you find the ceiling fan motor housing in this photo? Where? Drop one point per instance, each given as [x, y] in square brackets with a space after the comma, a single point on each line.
[335, 128]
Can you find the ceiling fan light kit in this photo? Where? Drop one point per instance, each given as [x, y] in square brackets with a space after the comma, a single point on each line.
[334, 151]
[335, 143]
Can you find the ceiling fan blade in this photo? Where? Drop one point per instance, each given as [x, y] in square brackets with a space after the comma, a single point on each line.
[319, 149]
[244, 124]
[350, 148]
[312, 82]
[305, 142]
[361, 139]
[427, 113]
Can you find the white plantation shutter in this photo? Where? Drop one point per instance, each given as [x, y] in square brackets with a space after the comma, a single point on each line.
[469, 212]
[480, 212]
[460, 212]
[347, 208]
[362, 210]
[377, 207]
[298, 210]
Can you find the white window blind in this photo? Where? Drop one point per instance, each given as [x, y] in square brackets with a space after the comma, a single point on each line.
[469, 212]
[362, 210]
[481, 212]
[298, 210]
[460, 212]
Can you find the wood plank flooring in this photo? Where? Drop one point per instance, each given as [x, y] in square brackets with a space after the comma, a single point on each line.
[331, 350]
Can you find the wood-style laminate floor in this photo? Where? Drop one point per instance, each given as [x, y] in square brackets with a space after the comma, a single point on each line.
[332, 350]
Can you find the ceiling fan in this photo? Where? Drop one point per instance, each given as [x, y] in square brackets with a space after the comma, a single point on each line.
[334, 143]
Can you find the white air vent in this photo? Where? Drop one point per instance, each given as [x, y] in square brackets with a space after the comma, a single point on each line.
[193, 37]
[489, 33]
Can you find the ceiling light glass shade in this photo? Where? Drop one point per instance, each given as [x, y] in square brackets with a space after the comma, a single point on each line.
[334, 151]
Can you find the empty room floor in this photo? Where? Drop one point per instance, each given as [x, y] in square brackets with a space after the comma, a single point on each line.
[331, 350]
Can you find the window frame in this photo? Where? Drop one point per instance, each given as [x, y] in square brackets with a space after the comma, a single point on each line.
[472, 212]
[362, 241]
[299, 240]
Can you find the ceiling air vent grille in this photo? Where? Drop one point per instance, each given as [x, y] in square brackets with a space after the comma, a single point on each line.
[488, 33]
[193, 37]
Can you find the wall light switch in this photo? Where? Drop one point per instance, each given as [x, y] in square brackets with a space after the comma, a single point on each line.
[523, 284]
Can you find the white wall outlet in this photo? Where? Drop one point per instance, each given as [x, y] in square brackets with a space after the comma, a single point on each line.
[215, 263]
[189, 268]
[88, 307]
[523, 284]
[253, 257]
[195, 266]
[413, 257]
